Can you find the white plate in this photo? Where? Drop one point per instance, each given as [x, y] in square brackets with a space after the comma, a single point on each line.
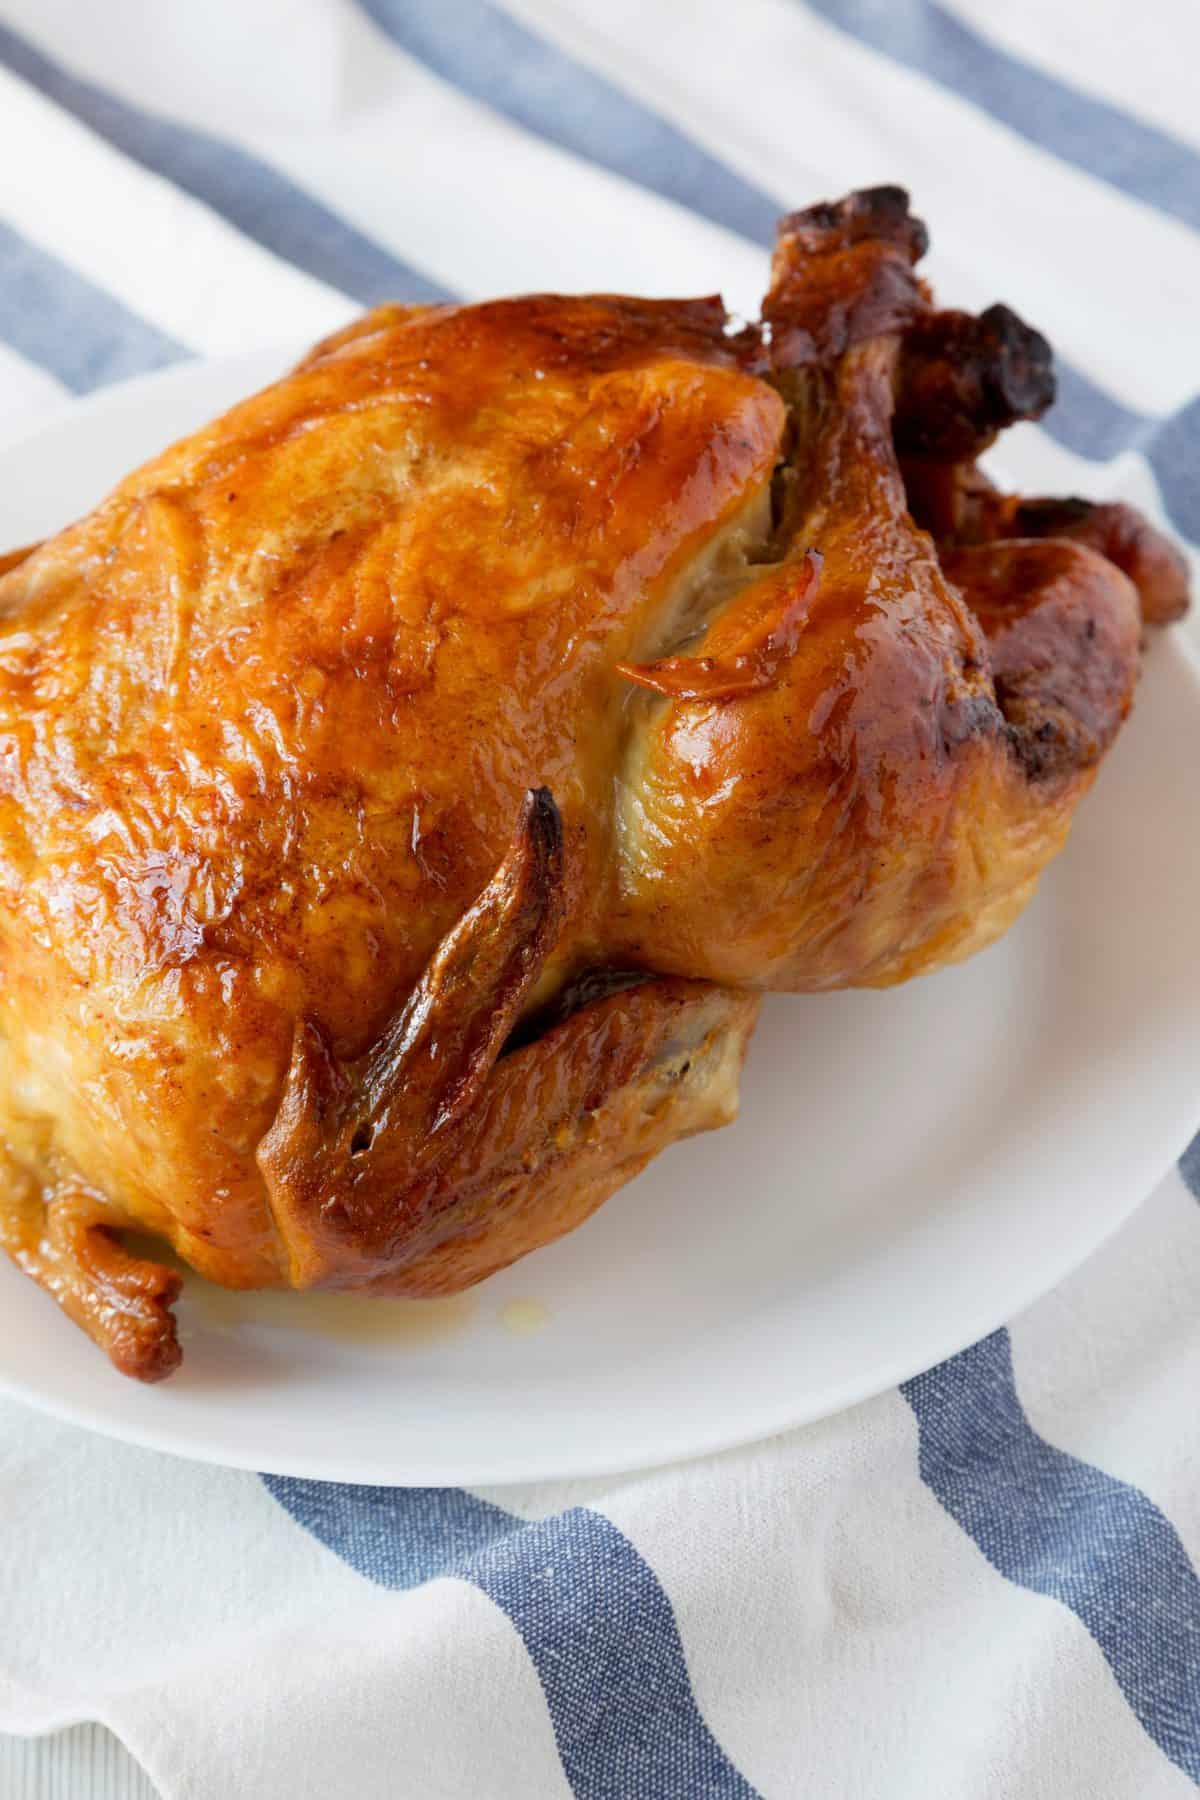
[910, 1168]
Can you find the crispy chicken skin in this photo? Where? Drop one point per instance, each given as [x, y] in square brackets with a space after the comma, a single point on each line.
[410, 780]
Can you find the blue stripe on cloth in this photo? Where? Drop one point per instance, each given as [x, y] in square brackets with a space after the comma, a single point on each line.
[485, 53]
[54, 317]
[1139, 159]
[249, 193]
[1090, 422]
[1172, 448]
[1189, 1165]
[597, 1625]
[1063, 1528]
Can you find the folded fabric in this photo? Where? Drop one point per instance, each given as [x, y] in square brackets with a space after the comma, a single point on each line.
[982, 1584]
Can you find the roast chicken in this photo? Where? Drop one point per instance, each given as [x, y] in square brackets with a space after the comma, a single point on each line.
[411, 781]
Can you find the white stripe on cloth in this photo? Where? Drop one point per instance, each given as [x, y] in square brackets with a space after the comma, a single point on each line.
[422, 1694]
[1093, 268]
[526, 214]
[234, 1654]
[194, 63]
[166, 257]
[174, 1557]
[1140, 71]
[472, 200]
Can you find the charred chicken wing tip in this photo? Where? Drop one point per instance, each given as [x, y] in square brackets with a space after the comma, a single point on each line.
[876, 213]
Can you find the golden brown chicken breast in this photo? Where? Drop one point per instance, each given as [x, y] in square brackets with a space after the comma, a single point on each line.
[409, 781]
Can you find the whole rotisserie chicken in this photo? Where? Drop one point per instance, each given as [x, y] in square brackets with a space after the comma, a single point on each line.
[410, 781]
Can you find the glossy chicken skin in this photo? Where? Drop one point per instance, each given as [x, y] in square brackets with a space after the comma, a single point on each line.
[409, 780]
[885, 804]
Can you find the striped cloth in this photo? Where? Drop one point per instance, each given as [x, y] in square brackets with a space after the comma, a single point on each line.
[982, 1584]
